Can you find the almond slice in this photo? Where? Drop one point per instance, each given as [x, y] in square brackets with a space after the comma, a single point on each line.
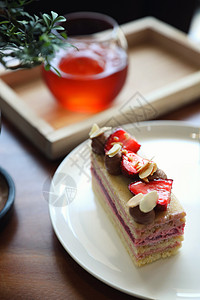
[148, 201]
[145, 172]
[145, 179]
[140, 168]
[135, 200]
[154, 168]
[114, 150]
[96, 131]
[94, 128]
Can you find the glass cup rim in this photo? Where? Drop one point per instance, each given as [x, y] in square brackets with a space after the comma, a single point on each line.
[96, 16]
[113, 31]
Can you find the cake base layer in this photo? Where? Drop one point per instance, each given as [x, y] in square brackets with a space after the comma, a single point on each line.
[139, 255]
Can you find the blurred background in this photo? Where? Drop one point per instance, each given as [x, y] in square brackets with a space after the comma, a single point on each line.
[177, 13]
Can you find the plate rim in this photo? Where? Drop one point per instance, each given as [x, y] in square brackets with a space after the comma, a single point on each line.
[143, 124]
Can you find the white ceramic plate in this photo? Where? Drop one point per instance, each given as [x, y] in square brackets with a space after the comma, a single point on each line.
[89, 237]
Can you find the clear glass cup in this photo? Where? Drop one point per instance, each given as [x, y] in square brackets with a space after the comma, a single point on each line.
[93, 70]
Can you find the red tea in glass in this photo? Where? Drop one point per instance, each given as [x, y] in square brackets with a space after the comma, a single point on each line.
[92, 73]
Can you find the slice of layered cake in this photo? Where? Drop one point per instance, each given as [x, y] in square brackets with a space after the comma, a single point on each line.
[136, 195]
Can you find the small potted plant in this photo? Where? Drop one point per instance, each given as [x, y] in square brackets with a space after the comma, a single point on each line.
[28, 40]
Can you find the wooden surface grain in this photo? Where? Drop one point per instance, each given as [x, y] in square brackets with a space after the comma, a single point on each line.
[33, 264]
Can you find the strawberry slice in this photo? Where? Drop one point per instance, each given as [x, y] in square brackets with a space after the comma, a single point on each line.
[132, 163]
[161, 186]
[123, 138]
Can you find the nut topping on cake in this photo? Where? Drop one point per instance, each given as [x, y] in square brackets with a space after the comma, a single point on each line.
[114, 150]
[135, 200]
[141, 207]
[98, 138]
[96, 131]
[148, 201]
[113, 160]
[148, 170]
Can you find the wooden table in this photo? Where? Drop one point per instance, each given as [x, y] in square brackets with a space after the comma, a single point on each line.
[33, 264]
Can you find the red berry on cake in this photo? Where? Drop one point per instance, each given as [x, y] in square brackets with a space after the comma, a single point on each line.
[161, 186]
[132, 163]
[120, 136]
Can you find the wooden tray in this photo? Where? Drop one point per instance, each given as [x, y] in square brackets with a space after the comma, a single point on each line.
[164, 73]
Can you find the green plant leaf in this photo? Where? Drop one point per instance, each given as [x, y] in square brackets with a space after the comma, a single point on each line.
[64, 35]
[47, 19]
[60, 19]
[47, 66]
[4, 22]
[54, 15]
[28, 38]
[57, 27]
[56, 70]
